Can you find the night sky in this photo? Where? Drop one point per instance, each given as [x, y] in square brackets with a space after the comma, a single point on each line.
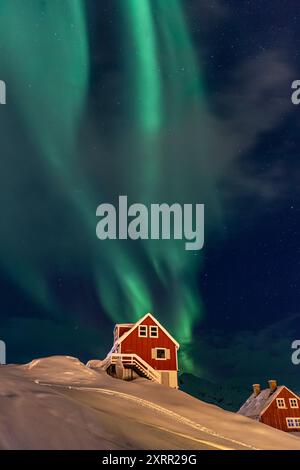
[188, 104]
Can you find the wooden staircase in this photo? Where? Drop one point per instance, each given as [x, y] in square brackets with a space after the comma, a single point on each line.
[132, 361]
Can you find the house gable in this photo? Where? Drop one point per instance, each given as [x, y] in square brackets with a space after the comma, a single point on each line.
[142, 321]
[281, 392]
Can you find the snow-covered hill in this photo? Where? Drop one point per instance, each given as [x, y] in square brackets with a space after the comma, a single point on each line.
[59, 403]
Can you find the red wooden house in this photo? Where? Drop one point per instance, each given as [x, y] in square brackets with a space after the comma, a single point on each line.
[278, 407]
[143, 349]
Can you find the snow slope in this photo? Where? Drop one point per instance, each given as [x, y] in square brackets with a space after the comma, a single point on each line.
[59, 403]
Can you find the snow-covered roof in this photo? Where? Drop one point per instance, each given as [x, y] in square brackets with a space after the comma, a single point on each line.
[256, 405]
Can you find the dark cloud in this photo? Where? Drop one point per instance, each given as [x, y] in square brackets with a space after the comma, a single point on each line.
[255, 102]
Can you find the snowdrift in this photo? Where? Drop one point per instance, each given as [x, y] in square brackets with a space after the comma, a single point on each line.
[59, 403]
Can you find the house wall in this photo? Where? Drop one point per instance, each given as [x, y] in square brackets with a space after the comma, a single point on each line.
[171, 378]
[123, 329]
[119, 331]
[276, 417]
[134, 344]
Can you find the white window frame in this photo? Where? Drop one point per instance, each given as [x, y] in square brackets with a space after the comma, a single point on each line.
[294, 421]
[144, 327]
[167, 354]
[151, 327]
[294, 401]
[281, 403]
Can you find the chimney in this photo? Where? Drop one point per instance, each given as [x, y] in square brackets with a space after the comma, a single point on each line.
[272, 385]
[256, 389]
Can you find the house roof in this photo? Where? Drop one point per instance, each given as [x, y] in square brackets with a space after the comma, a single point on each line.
[135, 325]
[255, 406]
[124, 325]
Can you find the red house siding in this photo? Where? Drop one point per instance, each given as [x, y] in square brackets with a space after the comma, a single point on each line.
[123, 329]
[276, 417]
[134, 344]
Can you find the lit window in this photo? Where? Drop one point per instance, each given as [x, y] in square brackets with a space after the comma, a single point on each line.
[293, 422]
[290, 422]
[280, 402]
[294, 403]
[143, 331]
[153, 332]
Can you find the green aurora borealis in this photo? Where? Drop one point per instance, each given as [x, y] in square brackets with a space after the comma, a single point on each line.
[160, 155]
